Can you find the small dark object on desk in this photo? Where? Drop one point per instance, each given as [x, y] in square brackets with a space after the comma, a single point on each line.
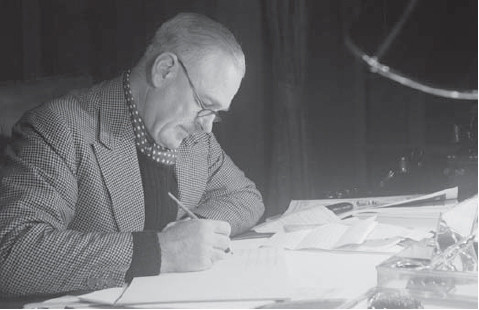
[340, 207]
[251, 234]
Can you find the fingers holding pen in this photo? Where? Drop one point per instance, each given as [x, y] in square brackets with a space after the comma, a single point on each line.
[223, 228]
[193, 244]
[220, 242]
[218, 236]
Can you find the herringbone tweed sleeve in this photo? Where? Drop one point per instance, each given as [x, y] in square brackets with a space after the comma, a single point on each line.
[39, 253]
[229, 195]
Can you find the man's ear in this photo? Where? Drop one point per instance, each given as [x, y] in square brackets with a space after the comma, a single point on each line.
[164, 67]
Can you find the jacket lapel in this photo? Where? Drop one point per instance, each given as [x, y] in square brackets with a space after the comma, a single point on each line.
[117, 158]
[191, 172]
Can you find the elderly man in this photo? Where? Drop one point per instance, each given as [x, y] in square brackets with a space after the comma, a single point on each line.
[84, 201]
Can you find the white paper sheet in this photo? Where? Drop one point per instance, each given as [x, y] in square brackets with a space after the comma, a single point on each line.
[314, 216]
[387, 231]
[205, 305]
[324, 237]
[357, 233]
[247, 244]
[103, 298]
[247, 275]
[376, 246]
[461, 218]
[317, 274]
[328, 236]
[107, 296]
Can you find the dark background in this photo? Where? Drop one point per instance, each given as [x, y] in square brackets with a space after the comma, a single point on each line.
[310, 120]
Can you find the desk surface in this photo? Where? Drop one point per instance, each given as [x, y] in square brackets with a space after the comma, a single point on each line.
[330, 276]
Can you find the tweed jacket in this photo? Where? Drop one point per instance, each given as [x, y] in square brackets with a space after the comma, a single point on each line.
[72, 193]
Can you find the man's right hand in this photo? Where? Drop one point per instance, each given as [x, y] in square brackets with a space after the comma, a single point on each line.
[193, 244]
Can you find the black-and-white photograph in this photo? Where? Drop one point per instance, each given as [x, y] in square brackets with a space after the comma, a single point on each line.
[239, 154]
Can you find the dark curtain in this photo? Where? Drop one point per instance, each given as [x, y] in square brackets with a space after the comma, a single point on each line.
[309, 121]
[286, 36]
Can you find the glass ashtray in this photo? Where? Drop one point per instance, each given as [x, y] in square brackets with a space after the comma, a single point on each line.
[388, 298]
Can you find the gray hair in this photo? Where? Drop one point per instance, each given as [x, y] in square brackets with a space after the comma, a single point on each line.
[193, 37]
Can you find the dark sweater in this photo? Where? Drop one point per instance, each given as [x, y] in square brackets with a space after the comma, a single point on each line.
[160, 210]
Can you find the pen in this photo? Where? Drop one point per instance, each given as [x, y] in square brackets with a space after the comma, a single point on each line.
[188, 211]
[190, 214]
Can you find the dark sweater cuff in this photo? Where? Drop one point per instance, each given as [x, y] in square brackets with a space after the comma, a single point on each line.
[146, 259]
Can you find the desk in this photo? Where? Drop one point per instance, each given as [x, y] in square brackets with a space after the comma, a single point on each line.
[314, 274]
[331, 276]
[321, 279]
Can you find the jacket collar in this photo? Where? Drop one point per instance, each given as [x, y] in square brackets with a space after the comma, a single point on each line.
[115, 125]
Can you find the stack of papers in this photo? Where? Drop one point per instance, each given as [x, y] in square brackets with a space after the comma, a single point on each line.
[309, 224]
[358, 235]
[314, 212]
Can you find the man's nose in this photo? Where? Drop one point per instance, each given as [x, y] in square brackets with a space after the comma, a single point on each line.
[206, 122]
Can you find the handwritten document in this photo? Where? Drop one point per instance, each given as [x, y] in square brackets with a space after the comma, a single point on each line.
[256, 274]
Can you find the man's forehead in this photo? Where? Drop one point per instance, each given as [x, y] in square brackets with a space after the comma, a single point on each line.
[218, 80]
[216, 61]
